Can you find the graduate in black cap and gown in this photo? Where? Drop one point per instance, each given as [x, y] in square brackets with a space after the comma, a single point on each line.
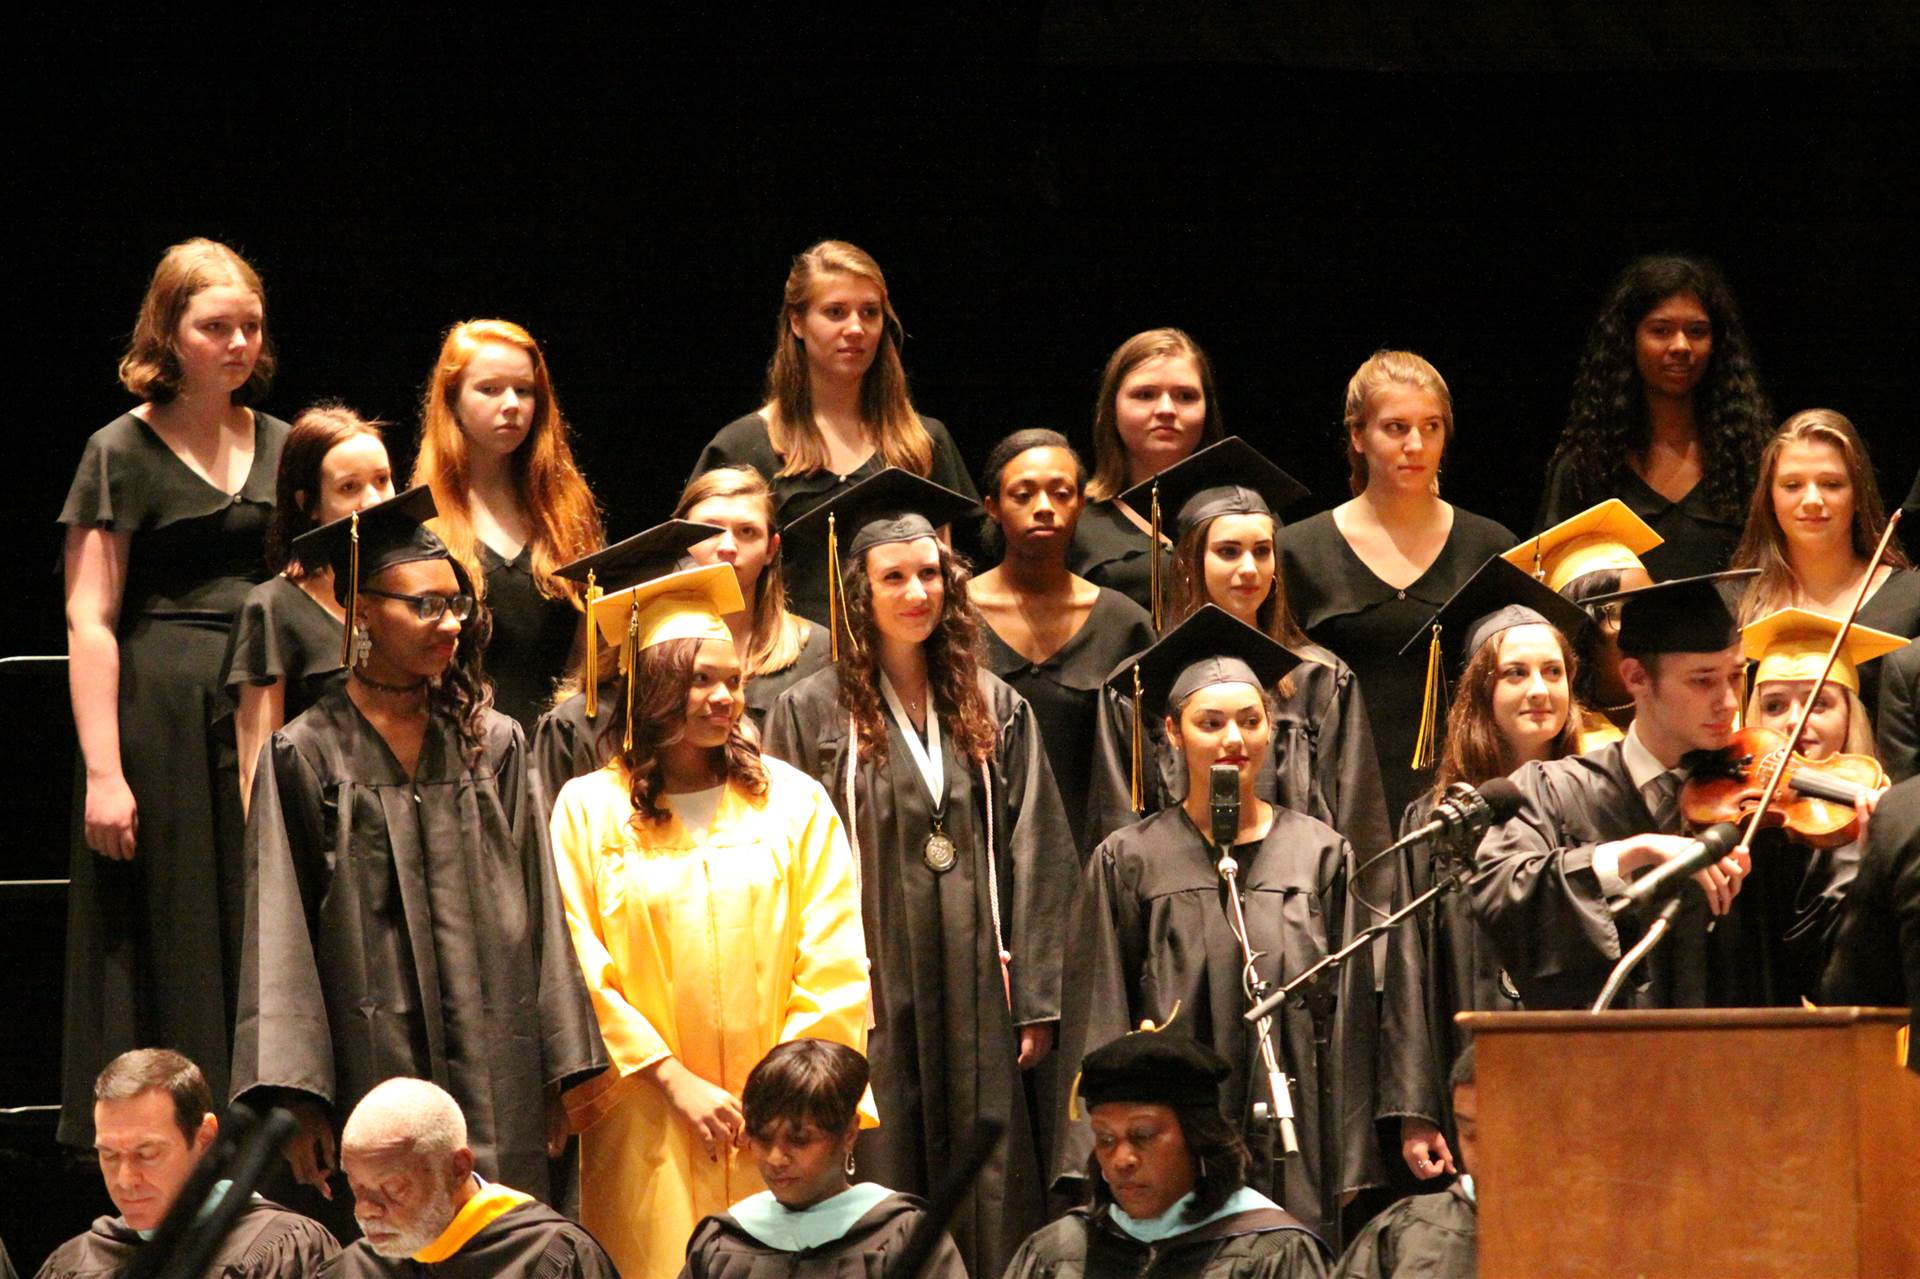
[967, 864]
[1591, 822]
[1153, 934]
[1508, 642]
[1169, 1178]
[402, 913]
[1226, 501]
[580, 734]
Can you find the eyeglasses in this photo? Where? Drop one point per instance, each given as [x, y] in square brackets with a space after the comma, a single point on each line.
[1607, 615]
[430, 608]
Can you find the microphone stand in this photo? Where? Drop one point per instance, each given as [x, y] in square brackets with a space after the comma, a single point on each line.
[1279, 1109]
[1644, 947]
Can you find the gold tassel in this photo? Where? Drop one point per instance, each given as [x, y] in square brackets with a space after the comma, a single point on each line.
[834, 618]
[353, 585]
[1153, 588]
[1139, 744]
[1539, 572]
[1431, 710]
[631, 652]
[593, 647]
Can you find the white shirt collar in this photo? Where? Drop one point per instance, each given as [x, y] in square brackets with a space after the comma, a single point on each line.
[1642, 766]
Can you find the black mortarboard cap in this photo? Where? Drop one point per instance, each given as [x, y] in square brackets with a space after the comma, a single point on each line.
[1686, 615]
[1230, 477]
[893, 506]
[355, 548]
[1496, 597]
[652, 553]
[1210, 647]
[1162, 1067]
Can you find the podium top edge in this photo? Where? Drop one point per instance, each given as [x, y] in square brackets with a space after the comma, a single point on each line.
[1680, 1019]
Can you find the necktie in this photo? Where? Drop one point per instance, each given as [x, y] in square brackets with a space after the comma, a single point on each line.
[1662, 795]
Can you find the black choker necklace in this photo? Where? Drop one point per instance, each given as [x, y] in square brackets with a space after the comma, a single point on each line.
[414, 687]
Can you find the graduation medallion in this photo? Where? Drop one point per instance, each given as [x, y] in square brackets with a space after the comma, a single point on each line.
[938, 852]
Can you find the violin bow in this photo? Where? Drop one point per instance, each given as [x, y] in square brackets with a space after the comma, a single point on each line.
[1806, 707]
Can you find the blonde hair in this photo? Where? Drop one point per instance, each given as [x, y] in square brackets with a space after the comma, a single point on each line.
[1109, 452]
[151, 367]
[886, 411]
[1764, 546]
[553, 494]
[777, 635]
[1859, 741]
[1381, 370]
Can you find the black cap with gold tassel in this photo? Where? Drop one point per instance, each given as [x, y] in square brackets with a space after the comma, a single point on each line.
[1229, 477]
[1499, 595]
[646, 555]
[1210, 647]
[893, 505]
[360, 544]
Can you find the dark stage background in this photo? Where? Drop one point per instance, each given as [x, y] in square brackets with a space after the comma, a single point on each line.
[1038, 189]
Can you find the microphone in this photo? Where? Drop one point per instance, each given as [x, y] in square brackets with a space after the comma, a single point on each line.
[1714, 843]
[1465, 814]
[1223, 794]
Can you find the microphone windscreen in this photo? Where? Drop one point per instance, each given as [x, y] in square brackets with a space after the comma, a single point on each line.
[1502, 798]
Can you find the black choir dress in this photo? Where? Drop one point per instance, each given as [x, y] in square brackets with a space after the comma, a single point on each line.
[1345, 608]
[533, 636]
[944, 1044]
[284, 634]
[1897, 727]
[745, 442]
[1894, 608]
[1110, 550]
[153, 943]
[1699, 537]
[1151, 931]
[1066, 692]
[409, 926]
[567, 744]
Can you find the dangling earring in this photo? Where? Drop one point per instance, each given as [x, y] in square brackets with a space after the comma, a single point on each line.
[849, 1163]
[362, 643]
[1203, 1167]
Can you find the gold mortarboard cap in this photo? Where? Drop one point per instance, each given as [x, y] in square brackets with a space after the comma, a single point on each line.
[1606, 536]
[1792, 644]
[690, 604]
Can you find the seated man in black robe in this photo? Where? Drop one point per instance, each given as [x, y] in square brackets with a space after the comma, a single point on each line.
[1876, 958]
[1427, 1236]
[1590, 822]
[423, 1210]
[153, 1122]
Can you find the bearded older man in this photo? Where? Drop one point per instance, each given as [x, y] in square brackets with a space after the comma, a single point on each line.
[423, 1211]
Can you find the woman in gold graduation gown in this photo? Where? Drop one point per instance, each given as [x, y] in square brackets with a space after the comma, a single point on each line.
[711, 895]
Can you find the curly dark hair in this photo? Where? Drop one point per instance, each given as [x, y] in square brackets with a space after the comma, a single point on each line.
[1219, 1156]
[663, 676]
[955, 652]
[1607, 421]
[464, 693]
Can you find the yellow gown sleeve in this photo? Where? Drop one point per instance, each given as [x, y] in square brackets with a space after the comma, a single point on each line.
[829, 997]
[633, 1042]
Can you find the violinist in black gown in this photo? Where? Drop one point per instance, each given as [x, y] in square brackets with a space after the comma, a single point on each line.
[1592, 821]
[966, 863]
[579, 735]
[1509, 641]
[402, 913]
[1153, 936]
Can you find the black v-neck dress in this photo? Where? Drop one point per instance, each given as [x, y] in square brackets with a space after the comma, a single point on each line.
[1345, 608]
[532, 637]
[153, 943]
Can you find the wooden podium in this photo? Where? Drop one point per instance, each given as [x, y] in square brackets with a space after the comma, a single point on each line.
[1698, 1143]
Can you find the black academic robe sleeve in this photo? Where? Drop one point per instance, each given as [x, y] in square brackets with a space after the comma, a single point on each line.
[1537, 894]
[1897, 721]
[1045, 866]
[1876, 958]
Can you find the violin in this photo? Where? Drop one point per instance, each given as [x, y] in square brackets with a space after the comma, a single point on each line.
[1812, 802]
